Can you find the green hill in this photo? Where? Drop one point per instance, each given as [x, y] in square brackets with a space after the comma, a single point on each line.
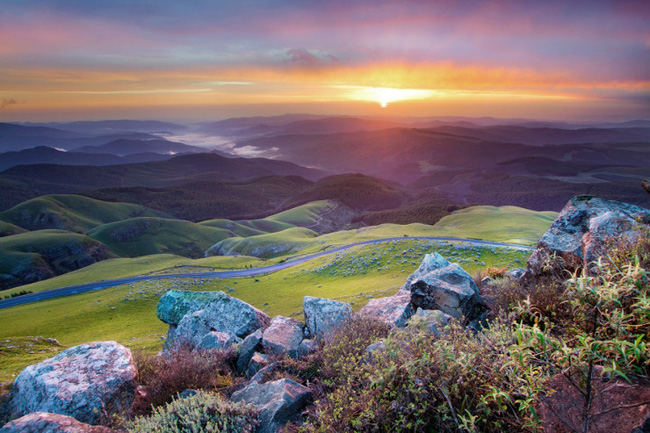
[42, 254]
[144, 236]
[70, 212]
[268, 245]
[7, 229]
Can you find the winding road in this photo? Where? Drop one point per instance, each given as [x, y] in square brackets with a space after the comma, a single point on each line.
[100, 285]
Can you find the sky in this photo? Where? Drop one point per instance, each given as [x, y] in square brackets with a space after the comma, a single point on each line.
[211, 59]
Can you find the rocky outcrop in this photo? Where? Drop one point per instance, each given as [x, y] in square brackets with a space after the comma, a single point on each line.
[448, 288]
[86, 382]
[208, 313]
[278, 402]
[392, 310]
[248, 347]
[42, 422]
[283, 337]
[322, 316]
[215, 340]
[258, 362]
[579, 233]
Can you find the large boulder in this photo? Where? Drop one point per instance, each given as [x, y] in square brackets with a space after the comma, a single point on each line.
[223, 314]
[248, 347]
[322, 316]
[392, 310]
[215, 340]
[430, 263]
[579, 233]
[449, 288]
[42, 422]
[86, 382]
[175, 304]
[283, 337]
[278, 402]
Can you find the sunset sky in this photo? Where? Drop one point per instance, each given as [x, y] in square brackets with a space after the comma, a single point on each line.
[198, 60]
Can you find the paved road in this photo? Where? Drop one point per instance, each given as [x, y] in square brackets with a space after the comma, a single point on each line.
[90, 287]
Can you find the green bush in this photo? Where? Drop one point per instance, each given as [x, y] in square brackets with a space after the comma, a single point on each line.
[201, 413]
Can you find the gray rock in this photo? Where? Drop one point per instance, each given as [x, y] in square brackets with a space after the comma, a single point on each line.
[578, 234]
[283, 337]
[258, 361]
[515, 273]
[430, 263]
[248, 347]
[215, 340]
[42, 422]
[278, 402]
[222, 314]
[449, 289]
[370, 352]
[85, 382]
[486, 281]
[434, 320]
[262, 375]
[175, 304]
[392, 310]
[187, 393]
[307, 347]
[322, 316]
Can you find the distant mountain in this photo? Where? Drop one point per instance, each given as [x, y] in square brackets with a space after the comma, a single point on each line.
[234, 126]
[47, 155]
[123, 147]
[107, 127]
[18, 137]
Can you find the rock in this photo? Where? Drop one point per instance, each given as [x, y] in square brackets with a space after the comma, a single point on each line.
[449, 289]
[187, 393]
[278, 402]
[86, 382]
[322, 316]
[262, 375]
[486, 281]
[222, 314]
[430, 263]
[283, 337]
[515, 274]
[307, 347]
[370, 352]
[258, 361]
[578, 234]
[175, 304]
[392, 310]
[433, 320]
[215, 340]
[43, 422]
[248, 347]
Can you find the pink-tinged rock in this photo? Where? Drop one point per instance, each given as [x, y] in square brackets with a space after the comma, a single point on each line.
[278, 402]
[579, 234]
[283, 337]
[86, 382]
[258, 361]
[392, 310]
[42, 422]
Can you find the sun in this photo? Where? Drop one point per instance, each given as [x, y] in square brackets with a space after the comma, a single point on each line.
[386, 95]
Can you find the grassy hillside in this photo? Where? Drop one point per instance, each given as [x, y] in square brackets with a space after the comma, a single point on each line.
[289, 241]
[127, 313]
[7, 229]
[70, 212]
[144, 236]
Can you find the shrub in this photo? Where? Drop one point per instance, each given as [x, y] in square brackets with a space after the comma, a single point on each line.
[202, 413]
[496, 272]
[165, 376]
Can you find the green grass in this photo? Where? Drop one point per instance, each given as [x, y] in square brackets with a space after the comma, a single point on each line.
[289, 241]
[305, 215]
[7, 229]
[144, 236]
[127, 313]
[70, 212]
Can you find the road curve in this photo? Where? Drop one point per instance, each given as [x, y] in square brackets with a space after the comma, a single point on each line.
[99, 285]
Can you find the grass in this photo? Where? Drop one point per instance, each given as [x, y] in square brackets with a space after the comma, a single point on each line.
[126, 313]
[70, 212]
[144, 236]
[7, 229]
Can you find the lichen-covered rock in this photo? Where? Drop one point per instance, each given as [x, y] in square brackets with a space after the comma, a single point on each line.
[392, 310]
[433, 320]
[278, 402]
[322, 316]
[43, 422]
[579, 233]
[248, 347]
[85, 382]
[307, 347]
[258, 361]
[449, 289]
[175, 304]
[215, 340]
[430, 263]
[283, 336]
[371, 352]
[222, 314]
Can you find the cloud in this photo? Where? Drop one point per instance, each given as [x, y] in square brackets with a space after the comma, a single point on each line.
[6, 102]
[304, 57]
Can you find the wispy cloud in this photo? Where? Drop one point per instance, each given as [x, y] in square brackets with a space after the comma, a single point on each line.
[6, 102]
